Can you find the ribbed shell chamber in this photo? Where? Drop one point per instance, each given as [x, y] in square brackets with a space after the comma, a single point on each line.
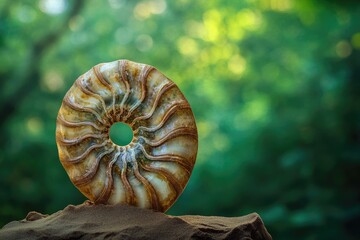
[154, 168]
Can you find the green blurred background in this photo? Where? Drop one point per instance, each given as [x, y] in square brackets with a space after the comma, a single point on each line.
[274, 86]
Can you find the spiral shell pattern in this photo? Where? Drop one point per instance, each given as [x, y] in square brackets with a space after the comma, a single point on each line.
[152, 170]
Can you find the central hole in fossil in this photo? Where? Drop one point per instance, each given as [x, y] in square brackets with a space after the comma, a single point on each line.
[121, 134]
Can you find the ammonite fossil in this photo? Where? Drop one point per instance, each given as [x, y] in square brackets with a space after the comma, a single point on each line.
[153, 169]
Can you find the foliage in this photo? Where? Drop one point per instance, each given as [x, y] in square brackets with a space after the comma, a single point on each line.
[274, 86]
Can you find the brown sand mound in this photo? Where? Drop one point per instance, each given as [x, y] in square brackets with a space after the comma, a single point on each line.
[126, 222]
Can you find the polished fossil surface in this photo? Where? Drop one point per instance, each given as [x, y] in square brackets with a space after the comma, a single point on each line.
[152, 170]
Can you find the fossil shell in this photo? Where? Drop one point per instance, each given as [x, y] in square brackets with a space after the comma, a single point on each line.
[152, 170]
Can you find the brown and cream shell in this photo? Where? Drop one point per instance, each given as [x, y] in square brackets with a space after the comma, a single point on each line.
[152, 170]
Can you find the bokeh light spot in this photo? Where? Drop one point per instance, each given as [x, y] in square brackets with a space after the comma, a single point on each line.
[144, 10]
[221, 142]
[277, 5]
[144, 42]
[52, 81]
[76, 23]
[237, 65]
[187, 46]
[195, 29]
[205, 128]
[343, 49]
[52, 7]
[34, 125]
[355, 40]
[212, 23]
[248, 20]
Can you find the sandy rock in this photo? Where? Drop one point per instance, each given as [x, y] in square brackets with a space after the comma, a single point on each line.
[88, 221]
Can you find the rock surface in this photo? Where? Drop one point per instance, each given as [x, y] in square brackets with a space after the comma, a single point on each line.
[88, 221]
